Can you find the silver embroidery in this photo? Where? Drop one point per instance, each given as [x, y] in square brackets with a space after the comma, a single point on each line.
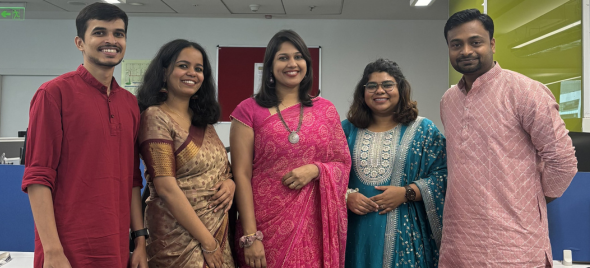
[399, 163]
[429, 203]
[373, 159]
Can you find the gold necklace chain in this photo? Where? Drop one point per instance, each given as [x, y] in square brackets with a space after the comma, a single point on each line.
[167, 106]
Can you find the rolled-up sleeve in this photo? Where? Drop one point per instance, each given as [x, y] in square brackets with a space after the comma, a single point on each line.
[44, 141]
[541, 119]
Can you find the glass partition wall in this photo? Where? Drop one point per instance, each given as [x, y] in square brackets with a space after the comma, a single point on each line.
[541, 39]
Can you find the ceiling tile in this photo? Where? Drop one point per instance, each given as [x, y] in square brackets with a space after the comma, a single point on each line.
[265, 6]
[313, 7]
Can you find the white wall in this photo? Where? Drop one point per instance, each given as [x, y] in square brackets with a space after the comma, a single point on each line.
[14, 106]
[46, 47]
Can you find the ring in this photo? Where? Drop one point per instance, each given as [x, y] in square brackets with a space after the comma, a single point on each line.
[293, 183]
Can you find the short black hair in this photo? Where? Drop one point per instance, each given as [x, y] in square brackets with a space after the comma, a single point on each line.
[205, 107]
[468, 15]
[267, 96]
[98, 11]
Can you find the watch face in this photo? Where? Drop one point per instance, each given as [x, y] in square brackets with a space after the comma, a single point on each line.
[410, 193]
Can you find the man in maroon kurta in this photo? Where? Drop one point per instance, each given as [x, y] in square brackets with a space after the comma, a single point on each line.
[82, 167]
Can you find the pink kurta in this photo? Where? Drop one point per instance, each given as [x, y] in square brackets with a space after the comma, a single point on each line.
[507, 149]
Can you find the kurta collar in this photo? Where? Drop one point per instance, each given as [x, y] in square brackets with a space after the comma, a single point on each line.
[90, 80]
[483, 79]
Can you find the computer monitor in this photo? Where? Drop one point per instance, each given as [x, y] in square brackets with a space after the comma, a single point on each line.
[581, 141]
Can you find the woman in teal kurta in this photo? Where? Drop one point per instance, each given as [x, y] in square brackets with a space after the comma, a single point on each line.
[392, 147]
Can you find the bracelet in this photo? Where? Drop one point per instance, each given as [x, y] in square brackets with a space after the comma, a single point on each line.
[350, 191]
[252, 234]
[211, 251]
[248, 240]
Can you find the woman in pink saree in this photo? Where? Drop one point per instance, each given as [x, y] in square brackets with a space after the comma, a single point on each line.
[291, 162]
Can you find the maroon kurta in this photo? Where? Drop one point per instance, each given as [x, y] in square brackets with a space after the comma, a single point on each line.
[81, 144]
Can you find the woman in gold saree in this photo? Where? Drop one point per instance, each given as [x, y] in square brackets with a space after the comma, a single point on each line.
[187, 169]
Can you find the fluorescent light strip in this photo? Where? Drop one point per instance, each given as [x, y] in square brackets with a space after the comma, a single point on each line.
[422, 3]
[563, 80]
[113, 1]
[550, 34]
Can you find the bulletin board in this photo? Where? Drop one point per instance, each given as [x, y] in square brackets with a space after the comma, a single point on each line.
[237, 68]
[132, 74]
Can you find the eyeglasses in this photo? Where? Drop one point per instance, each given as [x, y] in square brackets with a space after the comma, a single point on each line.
[386, 85]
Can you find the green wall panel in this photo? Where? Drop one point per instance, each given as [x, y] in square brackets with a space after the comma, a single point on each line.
[456, 6]
[541, 39]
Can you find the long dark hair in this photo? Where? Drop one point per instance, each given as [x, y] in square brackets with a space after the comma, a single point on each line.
[267, 97]
[205, 107]
[361, 116]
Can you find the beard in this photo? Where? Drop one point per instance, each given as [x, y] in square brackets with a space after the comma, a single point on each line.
[467, 69]
[103, 63]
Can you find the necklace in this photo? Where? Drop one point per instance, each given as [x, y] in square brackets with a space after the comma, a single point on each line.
[173, 111]
[293, 136]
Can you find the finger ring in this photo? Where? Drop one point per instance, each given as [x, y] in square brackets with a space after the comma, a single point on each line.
[293, 183]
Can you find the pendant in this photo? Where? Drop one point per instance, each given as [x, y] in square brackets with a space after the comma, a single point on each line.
[293, 137]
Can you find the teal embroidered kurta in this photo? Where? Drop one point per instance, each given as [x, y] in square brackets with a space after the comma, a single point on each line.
[408, 236]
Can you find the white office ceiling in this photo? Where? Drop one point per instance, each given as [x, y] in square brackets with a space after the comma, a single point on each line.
[291, 9]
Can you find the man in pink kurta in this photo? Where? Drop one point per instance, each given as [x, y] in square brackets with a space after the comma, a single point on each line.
[508, 150]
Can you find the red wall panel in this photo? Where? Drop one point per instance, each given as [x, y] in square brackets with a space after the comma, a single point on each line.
[235, 75]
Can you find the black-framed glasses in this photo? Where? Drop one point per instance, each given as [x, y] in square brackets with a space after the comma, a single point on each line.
[386, 85]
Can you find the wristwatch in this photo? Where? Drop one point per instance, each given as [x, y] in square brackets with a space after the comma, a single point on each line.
[140, 232]
[410, 193]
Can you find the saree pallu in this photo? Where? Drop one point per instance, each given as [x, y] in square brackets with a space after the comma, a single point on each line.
[410, 235]
[198, 161]
[306, 227]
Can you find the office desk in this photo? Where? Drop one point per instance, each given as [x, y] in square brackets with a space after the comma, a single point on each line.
[20, 260]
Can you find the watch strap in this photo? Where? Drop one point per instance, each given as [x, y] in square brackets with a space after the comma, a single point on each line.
[410, 193]
[141, 232]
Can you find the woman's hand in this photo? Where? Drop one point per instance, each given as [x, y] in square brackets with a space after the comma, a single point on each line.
[359, 204]
[390, 199]
[224, 197]
[301, 176]
[254, 255]
[215, 259]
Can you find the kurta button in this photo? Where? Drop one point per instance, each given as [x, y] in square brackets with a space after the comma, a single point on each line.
[112, 116]
[109, 100]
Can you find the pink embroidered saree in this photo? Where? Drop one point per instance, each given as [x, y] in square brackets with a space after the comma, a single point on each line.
[307, 227]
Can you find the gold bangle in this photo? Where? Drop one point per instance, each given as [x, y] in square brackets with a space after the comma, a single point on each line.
[252, 234]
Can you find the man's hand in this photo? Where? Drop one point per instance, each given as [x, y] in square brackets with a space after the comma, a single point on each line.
[55, 259]
[139, 257]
